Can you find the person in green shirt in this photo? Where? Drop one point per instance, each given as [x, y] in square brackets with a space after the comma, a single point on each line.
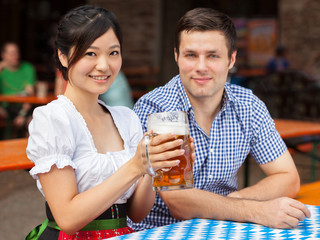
[16, 77]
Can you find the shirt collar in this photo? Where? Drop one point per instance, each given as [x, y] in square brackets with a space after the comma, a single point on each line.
[227, 96]
[186, 105]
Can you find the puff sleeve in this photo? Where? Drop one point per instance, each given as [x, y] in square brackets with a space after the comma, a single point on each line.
[51, 139]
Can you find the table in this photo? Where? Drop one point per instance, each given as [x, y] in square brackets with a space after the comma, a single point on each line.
[23, 99]
[212, 229]
[13, 155]
[292, 132]
[27, 99]
[289, 129]
[294, 128]
[309, 193]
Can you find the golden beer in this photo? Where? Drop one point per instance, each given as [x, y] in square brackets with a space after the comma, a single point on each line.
[181, 176]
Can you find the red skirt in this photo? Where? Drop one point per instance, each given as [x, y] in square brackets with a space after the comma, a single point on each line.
[95, 235]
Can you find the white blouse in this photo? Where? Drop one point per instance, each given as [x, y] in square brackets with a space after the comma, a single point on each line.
[59, 135]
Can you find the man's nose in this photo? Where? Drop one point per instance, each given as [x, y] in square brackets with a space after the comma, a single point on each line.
[201, 64]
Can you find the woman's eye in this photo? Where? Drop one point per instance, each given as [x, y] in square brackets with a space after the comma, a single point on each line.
[114, 53]
[90, 54]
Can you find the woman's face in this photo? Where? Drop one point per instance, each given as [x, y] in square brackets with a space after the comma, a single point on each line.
[97, 69]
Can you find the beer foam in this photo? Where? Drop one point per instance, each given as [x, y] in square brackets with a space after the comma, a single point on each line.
[175, 128]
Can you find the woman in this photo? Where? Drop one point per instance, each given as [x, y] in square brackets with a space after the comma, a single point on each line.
[88, 159]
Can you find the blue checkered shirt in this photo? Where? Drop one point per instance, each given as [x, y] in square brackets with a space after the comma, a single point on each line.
[242, 126]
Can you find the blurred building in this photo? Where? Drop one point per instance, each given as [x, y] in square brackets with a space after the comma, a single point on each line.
[148, 29]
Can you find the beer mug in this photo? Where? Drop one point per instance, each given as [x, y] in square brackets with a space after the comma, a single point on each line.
[180, 176]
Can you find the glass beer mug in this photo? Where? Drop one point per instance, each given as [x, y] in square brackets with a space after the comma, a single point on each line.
[181, 176]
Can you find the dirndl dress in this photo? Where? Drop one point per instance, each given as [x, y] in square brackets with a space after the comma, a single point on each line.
[111, 223]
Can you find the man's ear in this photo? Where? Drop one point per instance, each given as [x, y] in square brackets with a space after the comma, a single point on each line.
[63, 59]
[176, 55]
[233, 59]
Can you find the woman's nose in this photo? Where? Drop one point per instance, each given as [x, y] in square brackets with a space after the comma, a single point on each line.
[102, 64]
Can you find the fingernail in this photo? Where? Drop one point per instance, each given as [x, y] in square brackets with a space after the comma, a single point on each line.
[182, 151]
[177, 162]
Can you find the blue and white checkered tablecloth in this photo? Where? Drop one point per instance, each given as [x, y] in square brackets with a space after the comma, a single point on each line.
[212, 229]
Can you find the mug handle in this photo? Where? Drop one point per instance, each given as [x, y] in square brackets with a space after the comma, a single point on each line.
[146, 141]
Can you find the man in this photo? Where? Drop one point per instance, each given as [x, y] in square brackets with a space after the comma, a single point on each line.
[16, 77]
[280, 62]
[227, 123]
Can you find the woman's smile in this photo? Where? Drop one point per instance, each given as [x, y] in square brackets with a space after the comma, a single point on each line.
[100, 79]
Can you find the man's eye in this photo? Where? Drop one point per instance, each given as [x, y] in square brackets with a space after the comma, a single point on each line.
[190, 55]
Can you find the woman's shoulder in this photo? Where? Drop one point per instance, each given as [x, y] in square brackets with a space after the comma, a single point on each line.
[122, 113]
[58, 109]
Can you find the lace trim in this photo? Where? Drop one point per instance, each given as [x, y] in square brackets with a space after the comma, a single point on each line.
[44, 164]
[80, 117]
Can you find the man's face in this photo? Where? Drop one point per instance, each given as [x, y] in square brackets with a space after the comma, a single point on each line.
[203, 63]
[11, 55]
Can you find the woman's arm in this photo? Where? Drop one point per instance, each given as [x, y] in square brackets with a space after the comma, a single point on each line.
[141, 202]
[73, 210]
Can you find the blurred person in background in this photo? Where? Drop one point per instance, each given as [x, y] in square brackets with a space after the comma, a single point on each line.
[119, 94]
[16, 78]
[279, 62]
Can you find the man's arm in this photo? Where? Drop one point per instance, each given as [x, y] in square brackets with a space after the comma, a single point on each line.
[282, 179]
[195, 203]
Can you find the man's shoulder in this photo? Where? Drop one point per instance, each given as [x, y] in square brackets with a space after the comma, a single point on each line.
[245, 102]
[240, 94]
[161, 99]
[26, 65]
[163, 93]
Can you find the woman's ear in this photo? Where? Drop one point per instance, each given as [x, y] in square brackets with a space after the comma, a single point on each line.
[63, 59]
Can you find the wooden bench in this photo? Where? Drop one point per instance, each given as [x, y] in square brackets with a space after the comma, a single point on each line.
[302, 137]
[13, 155]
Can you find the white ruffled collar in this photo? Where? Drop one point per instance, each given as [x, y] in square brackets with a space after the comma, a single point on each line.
[78, 115]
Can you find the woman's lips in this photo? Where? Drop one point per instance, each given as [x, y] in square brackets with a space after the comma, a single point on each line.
[100, 79]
